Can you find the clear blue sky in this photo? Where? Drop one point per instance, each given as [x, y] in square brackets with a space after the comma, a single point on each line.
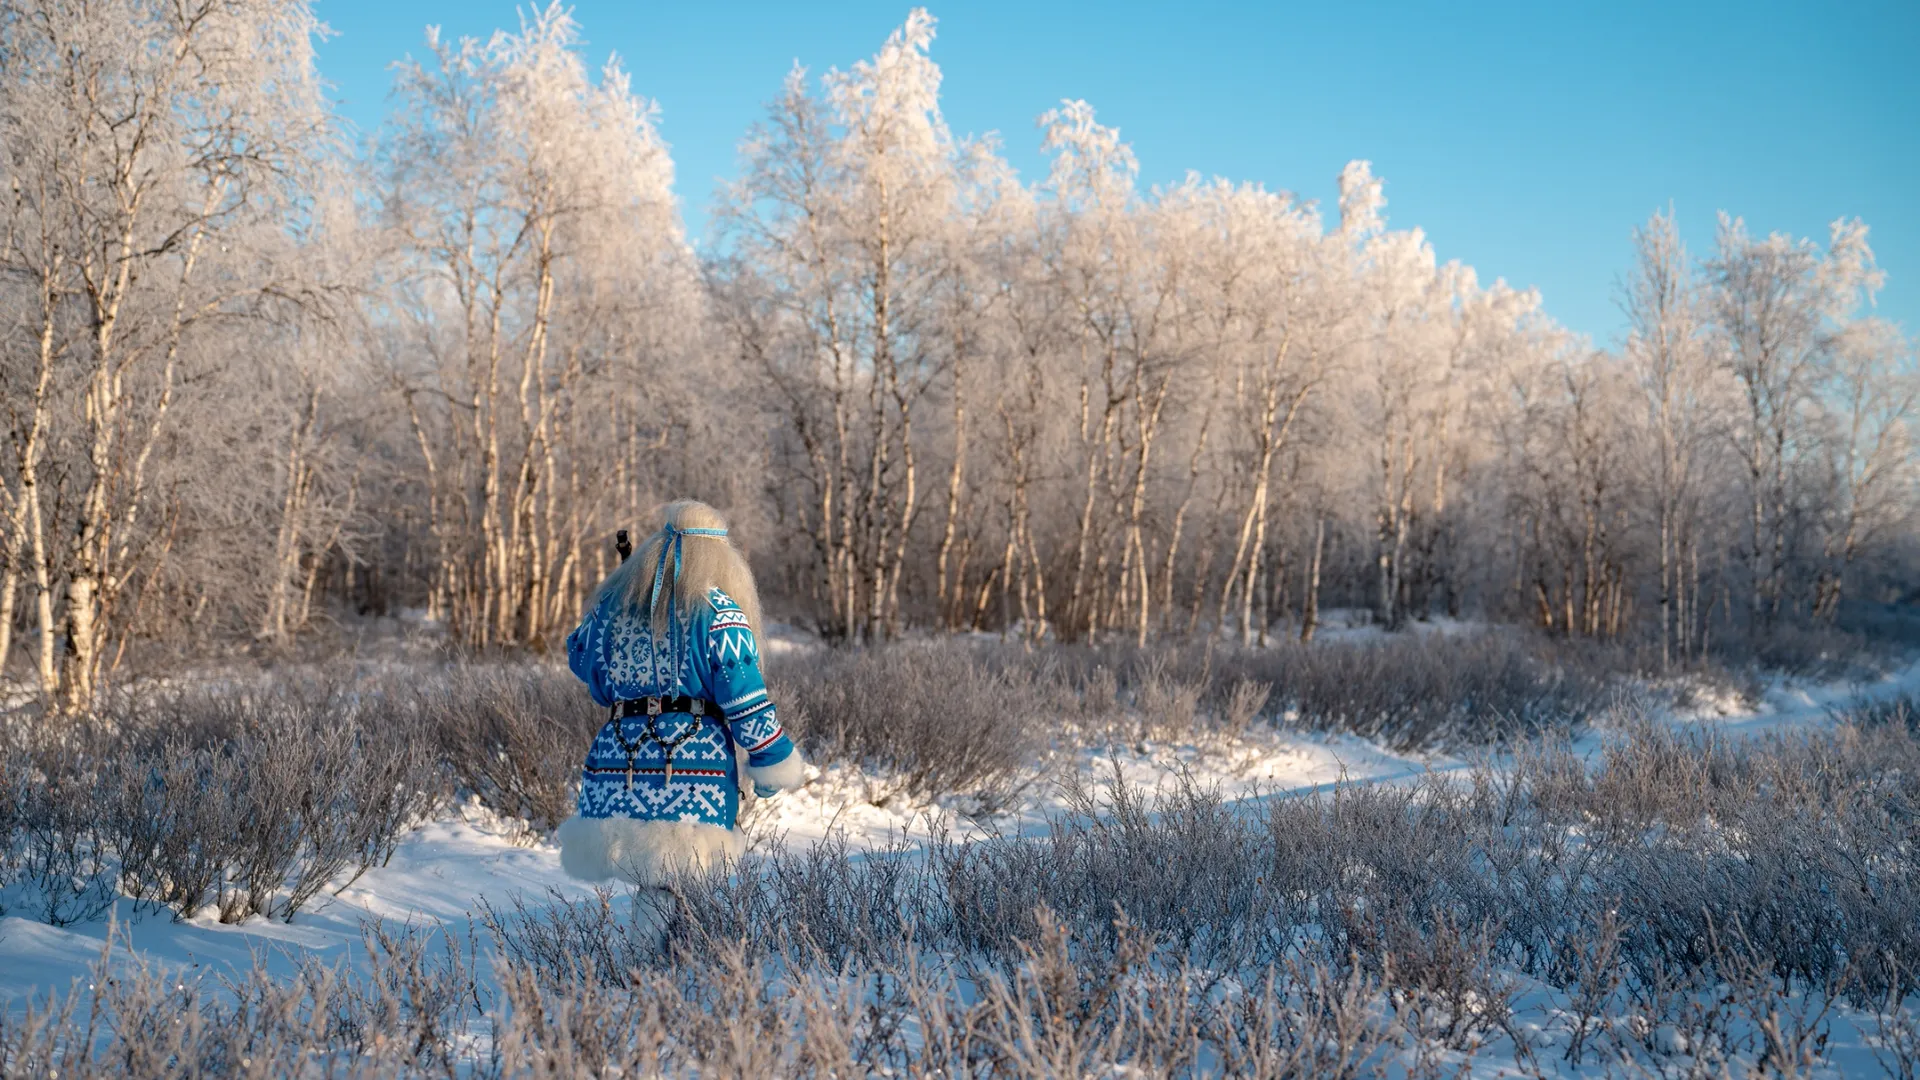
[1527, 139]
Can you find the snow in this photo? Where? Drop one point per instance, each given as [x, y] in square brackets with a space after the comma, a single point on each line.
[435, 876]
[443, 868]
[869, 812]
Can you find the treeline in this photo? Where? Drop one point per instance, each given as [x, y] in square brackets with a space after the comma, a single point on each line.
[256, 378]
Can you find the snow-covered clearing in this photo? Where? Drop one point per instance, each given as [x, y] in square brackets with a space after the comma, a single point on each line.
[444, 868]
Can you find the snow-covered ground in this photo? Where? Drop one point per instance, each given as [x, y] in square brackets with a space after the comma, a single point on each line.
[443, 868]
[435, 876]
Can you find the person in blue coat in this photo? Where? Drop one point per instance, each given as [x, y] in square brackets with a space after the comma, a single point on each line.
[670, 647]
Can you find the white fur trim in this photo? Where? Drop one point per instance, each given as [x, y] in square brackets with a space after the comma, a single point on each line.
[790, 772]
[646, 853]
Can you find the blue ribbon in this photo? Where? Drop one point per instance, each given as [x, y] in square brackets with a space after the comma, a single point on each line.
[670, 538]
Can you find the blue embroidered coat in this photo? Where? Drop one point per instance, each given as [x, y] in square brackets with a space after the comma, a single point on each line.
[614, 652]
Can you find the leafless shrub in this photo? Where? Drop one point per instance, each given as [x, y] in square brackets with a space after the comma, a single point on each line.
[177, 826]
[1303, 1020]
[1407, 691]
[254, 800]
[929, 713]
[14, 779]
[1896, 1025]
[1710, 681]
[1059, 1014]
[1336, 936]
[1447, 986]
[275, 809]
[64, 848]
[1243, 705]
[1816, 651]
[1099, 691]
[1427, 691]
[1790, 1028]
[419, 981]
[513, 735]
[398, 781]
[1899, 712]
[564, 941]
[1168, 704]
[140, 1020]
[1673, 1011]
[1588, 965]
[1692, 903]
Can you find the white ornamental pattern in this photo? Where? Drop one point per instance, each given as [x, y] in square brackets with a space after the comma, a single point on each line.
[635, 667]
[734, 646]
[757, 731]
[703, 800]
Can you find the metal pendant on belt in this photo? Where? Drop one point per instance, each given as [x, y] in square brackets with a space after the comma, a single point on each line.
[631, 748]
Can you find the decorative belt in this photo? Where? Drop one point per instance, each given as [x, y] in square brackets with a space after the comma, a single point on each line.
[656, 706]
[652, 708]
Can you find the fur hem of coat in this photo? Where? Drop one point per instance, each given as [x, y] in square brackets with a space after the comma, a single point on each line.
[648, 853]
[785, 774]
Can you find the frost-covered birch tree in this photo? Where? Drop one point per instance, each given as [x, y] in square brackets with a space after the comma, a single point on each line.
[151, 150]
[1865, 396]
[1668, 348]
[1774, 301]
[520, 184]
[841, 243]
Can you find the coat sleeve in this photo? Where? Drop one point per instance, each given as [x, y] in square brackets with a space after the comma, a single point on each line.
[734, 655]
[584, 656]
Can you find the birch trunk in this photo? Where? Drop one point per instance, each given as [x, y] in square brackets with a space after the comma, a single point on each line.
[1148, 426]
[1078, 615]
[947, 597]
[1310, 611]
[27, 535]
[1180, 520]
